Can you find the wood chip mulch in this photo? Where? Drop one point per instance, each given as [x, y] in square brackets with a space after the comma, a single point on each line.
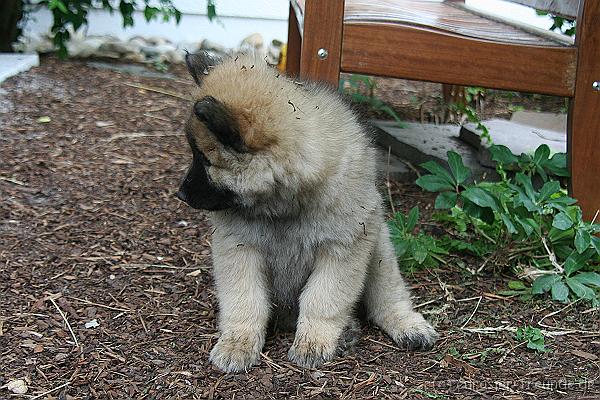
[90, 233]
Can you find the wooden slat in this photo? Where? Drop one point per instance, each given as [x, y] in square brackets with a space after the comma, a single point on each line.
[584, 116]
[323, 26]
[294, 45]
[567, 8]
[424, 54]
[452, 17]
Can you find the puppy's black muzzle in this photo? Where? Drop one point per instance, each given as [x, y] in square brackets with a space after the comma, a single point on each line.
[198, 190]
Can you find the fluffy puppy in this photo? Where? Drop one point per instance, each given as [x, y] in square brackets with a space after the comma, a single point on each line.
[288, 176]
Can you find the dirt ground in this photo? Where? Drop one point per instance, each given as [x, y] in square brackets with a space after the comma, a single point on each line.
[90, 229]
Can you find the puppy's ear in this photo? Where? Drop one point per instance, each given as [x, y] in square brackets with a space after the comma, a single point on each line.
[219, 120]
[198, 65]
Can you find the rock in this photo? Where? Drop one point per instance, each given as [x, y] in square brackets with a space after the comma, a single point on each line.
[84, 47]
[190, 46]
[121, 47]
[212, 46]
[40, 43]
[155, 40]
[155, 51]
[134, 57]
[252, 42]
[175, 56]
[18, 386]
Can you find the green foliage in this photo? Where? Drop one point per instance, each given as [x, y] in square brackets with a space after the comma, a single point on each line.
[415, 250]
[72, 14]
[355, 87]
[537, 226]
[566, 26]
[534, 338]
[468, 110]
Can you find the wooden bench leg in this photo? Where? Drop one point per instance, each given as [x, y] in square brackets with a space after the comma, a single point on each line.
[584, 115]
[322, 40]
[294, 46]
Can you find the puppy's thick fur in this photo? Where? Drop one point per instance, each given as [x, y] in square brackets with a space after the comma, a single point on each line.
[289, 176]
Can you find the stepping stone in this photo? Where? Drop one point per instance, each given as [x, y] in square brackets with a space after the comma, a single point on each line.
[525, 132]
[417, 143]
[13, 63]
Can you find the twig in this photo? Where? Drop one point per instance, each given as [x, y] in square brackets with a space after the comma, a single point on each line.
[387, 180]
[39, 396]
[552, 256]
[136, 135]
[427, 302]
[99, 305]
[595, 216]
[157, 90]
[410, 166]
[473, 313]
[65, 319]
[12, 180]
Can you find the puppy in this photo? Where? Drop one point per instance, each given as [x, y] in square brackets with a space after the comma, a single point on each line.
[288, 176]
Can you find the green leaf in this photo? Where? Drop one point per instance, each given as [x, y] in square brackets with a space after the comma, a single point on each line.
[211, 10]
[526, 184]
[150, 13]
[445, 200]
[481, 197]
[401, 247]
[483, 213]
[588, 278]
[44, 120]
[508, 223]
[548, 190]
[438, 170]
[434, 183]
[516, 285]
[541, 155]
[582, 240]
[458, 169]
[560, 291]
[544, 283]
[562, 221]
[58, 4]
[577, 260]
[413, 217]
[502, 154]
[581, 290]
[557, 165]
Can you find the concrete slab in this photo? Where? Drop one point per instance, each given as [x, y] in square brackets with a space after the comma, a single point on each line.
[541, 120]
[13, 63]
[522, 134]
[418, 143]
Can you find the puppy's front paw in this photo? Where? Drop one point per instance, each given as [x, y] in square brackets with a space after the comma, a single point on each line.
[413, 332]
[312, 351]
[234, 353]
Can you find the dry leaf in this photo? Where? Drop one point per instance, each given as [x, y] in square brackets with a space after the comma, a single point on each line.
[18, 386]
[585, 354]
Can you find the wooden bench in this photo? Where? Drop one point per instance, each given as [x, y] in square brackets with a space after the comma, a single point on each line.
[448, 42]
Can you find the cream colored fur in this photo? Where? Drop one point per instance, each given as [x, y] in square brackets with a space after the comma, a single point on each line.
[309, 240]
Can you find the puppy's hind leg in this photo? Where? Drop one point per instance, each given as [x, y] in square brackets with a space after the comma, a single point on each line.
[244, 306]
[387, 300]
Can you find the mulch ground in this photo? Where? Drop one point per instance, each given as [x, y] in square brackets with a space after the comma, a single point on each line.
[90, 230]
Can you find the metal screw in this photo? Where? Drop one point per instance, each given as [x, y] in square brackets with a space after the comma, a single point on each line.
[322, 54]
[596, 86]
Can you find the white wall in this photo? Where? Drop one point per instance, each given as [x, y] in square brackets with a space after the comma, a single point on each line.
[238, 20]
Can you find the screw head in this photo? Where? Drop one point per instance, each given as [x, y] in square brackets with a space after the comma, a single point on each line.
[322, 53]
[596, 86]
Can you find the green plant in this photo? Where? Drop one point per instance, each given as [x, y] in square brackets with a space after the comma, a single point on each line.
[356, 85]
[534, 338]
[471, 95]
[566, 26]
[72, 14]
[414, 250]
[539, 229]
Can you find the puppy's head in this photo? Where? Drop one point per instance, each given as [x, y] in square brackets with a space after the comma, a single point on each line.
[241, 133]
